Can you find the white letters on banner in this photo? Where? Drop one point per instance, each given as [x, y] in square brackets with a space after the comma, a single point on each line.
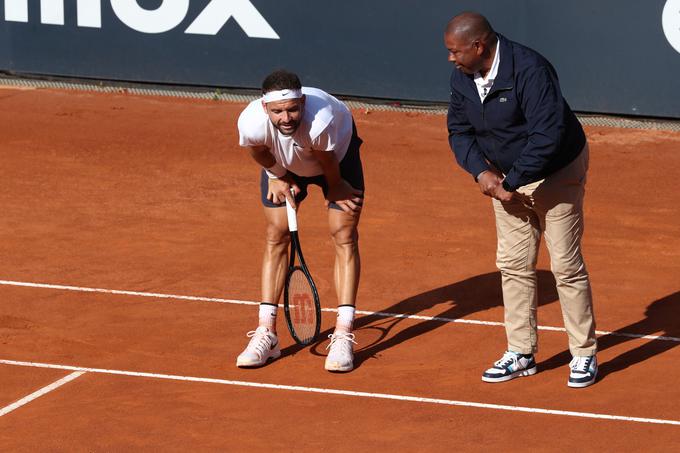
[160, 20]
[218, 12]
[89, 13]
[670, 20]
[166, 17]
[16, 10]
[52, 12]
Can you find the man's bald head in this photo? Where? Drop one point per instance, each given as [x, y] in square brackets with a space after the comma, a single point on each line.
[471, 43]
[470, 26]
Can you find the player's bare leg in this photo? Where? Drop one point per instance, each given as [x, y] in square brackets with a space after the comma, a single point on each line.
[343, 227]
[275, 261]
[264, 343]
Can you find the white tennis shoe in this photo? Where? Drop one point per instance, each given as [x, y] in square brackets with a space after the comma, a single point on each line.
[263, 345]
[341, 354]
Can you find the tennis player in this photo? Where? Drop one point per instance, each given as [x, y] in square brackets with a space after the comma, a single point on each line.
[303, 136]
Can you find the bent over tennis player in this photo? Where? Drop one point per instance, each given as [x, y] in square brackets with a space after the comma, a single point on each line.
[302, 136]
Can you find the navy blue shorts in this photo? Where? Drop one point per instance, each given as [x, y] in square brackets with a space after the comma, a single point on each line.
[350, 170]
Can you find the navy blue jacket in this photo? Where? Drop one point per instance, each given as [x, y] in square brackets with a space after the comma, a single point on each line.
[524, 127]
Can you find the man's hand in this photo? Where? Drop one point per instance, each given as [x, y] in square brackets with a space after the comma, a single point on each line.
[347, 197]
[279, 190]
[491, 184]
[501, 194]
[489, 181]
[340, 191]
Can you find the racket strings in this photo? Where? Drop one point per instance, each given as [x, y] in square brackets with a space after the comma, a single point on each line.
[302, 310]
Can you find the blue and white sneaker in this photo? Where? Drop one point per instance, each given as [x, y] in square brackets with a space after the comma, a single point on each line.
[583, 371]
[510, 366]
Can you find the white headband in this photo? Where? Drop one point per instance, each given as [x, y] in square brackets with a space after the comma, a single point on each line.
[281, 95]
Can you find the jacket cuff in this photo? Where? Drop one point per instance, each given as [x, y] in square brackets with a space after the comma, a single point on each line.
[477, 168]
[507, 186]
[510, 183]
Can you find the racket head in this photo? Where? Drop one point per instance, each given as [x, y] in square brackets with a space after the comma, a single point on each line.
[301, 306]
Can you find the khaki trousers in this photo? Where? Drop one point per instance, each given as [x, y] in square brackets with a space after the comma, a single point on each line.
[554, 207]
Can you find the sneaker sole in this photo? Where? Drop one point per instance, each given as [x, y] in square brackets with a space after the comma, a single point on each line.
[578, 385]
[241, 364]
[516, 374]
[338, 369]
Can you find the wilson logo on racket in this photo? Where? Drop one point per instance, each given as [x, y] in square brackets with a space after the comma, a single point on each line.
[304, 307]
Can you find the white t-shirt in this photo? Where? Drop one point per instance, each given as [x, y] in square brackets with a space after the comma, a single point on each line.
[326, 126]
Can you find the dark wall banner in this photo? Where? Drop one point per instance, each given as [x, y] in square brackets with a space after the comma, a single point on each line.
[613, 56]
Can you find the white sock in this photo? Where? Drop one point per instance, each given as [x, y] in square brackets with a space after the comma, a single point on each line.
[345, 318]
[268, 316]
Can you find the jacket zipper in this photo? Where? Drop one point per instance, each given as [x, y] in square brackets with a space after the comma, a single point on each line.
[493, 138]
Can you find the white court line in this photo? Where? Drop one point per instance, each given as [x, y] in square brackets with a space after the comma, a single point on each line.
[361, 312]
[385, 396]
[23, 401]
[125, 293]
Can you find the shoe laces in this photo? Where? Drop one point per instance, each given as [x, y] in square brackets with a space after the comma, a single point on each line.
[260, 341]
[508, 358]
[580, 364]
[340, 338]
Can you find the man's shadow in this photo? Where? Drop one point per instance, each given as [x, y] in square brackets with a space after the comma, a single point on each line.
[458, 300]
[661, 320]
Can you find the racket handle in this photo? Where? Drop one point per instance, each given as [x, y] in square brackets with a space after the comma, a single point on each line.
[292, 217]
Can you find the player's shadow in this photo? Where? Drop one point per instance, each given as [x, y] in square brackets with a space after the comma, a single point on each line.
[457, 300]
[661, 320]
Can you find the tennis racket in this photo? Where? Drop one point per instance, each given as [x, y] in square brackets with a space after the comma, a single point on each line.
[300, 298]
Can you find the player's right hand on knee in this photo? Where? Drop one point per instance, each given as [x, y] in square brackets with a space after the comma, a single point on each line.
[282, 189]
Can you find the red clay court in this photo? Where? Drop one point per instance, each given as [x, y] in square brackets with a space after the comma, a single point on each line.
[131, 239]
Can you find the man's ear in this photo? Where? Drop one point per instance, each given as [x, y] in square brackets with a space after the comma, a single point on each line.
[480, 48]
[302, 99]
[264, 106]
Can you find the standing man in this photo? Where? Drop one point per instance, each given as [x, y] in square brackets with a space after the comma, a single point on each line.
[302, 136]
[512, 130]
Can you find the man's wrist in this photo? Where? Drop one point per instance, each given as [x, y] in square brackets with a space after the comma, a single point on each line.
[276, 171]
[507, 187]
